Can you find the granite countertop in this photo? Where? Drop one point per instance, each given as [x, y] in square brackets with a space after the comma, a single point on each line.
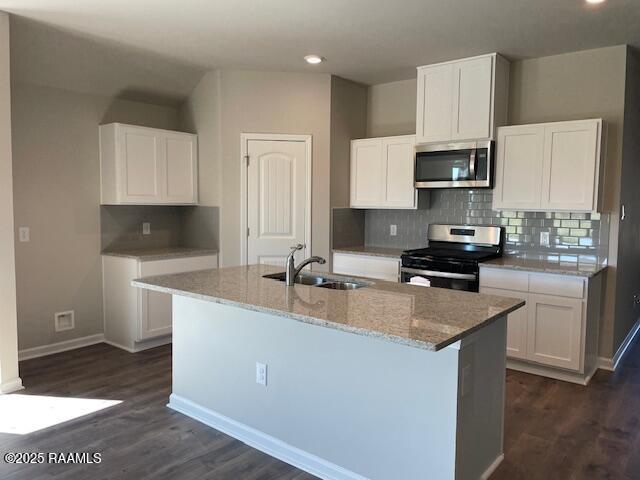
[546, 264]
[371, 251]
[427, 318]
[150, 254]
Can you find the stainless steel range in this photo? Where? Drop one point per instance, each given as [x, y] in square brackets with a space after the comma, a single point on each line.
[452, 258]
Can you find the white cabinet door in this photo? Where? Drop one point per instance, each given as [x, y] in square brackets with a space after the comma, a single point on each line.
[516, 323]
[381, 268]
[518, 167]
[472, 97]
[141, 165]
[155, 307]
[398, 158]
[434, 103]
[181, 153]
[555, 331]
[367, 173]
[571, 154]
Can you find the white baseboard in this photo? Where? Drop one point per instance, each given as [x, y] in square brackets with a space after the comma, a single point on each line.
[261, 441]
[626, 343]
[11, 386]
[550, 372]
[612, 364]
[140, 346]
[492, 468]
[606, 364]
[52, 348]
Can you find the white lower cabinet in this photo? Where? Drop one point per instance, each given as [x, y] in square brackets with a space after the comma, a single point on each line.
[516, 323]
[134, 318]
[369, 266]
[556, 333]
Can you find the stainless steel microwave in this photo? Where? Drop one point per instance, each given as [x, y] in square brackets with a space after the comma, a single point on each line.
[455, 165]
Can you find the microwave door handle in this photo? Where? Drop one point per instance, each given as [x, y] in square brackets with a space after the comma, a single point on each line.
[472, 164]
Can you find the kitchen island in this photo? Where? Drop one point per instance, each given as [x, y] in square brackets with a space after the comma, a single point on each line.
[388, 381]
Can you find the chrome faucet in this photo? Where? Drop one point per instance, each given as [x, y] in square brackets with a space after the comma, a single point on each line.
[292, 271]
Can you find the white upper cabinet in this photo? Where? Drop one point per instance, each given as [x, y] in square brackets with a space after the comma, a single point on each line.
[549, 167]
[571, 163]
[462, 100]
[382, 172]
[434, 103]
[518, 171]
[145, 166]
[366, 172]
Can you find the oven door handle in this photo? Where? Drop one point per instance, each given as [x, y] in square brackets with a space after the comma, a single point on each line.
[432, 273]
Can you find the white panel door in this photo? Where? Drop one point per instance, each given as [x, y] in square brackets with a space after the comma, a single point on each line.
[519, 167]
[570, 164]
[276, 200]
[516, 323]
[367, 173]
[434, 104]
[472, 99]
[141, 165]
[181, 166]
[398, 159]
[555, 331]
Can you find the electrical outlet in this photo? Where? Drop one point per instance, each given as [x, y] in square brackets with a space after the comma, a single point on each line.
[146, 228]
[393, 230]
[24, 234]
[636, 299]
[261, 374]
[544, 239]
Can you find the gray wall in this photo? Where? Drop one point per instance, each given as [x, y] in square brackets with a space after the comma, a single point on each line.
[628, 283]
[227, 103]
[348, 121]
[8, 316]
[121, 227]
[587, 84]
[57, 194]
[391, 109]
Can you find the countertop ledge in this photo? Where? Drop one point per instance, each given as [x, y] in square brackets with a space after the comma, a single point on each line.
[426, 318]
[540, 265]
[150, 254]
[371, 251]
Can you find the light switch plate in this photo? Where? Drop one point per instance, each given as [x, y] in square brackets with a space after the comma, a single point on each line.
[24, 234]
[146, 228]
[393, 230]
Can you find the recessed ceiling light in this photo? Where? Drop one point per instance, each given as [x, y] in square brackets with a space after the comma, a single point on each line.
[314, 59]
[593, 2]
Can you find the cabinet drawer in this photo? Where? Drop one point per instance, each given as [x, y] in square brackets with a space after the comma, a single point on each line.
[504, 279]
[177, 265]
[558, 285]
[365, 266]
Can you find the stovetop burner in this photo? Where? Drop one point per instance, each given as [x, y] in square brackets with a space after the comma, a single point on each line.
[454, 254]
[452, 258]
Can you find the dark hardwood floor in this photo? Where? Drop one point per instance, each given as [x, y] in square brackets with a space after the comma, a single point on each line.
[553, 430]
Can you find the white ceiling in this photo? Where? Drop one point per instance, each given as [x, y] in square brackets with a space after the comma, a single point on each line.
[371, 41]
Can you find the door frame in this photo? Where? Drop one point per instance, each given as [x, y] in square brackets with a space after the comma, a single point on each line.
[277, 137]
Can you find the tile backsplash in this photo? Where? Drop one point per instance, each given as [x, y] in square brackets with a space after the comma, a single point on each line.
[584, 234]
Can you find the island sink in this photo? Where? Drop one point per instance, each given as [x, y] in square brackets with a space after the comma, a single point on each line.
[319, 281]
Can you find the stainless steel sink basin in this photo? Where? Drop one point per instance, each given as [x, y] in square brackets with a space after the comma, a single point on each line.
[342, 285]
[319, 281]
[302, 279]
